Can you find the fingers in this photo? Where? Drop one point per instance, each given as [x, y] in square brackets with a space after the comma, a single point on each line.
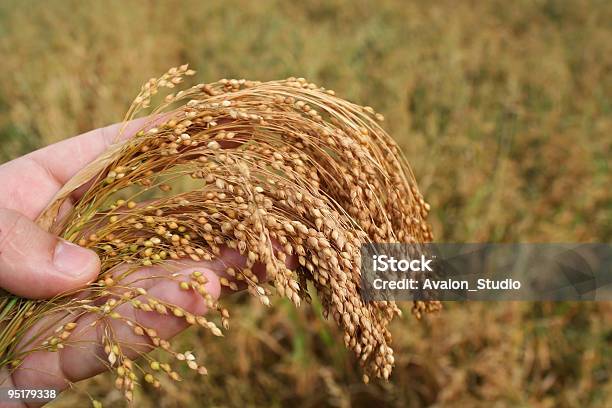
[79, 362]
[31, 181]
[36, 264]
[84, 355]
[64, 159]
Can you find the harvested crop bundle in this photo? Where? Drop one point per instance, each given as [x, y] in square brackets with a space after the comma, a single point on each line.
[271, 170]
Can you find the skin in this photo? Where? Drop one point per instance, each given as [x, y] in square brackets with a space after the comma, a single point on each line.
[35, 264]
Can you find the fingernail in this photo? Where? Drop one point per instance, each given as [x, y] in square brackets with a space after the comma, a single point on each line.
[72, 259]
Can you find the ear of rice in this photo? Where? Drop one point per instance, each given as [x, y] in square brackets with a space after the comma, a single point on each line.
[270, 169]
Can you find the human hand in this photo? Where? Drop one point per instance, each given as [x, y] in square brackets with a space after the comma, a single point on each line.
[36, 264]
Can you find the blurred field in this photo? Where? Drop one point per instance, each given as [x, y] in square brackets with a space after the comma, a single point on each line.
[503, 109]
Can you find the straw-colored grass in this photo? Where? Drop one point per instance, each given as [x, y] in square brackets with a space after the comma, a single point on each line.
[281, 169]
[502, 108]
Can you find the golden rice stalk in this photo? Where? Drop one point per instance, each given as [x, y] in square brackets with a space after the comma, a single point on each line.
[271, 169]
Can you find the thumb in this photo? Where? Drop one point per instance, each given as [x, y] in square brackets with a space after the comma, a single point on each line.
[36, 264]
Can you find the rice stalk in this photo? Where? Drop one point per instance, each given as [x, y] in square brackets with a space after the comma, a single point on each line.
[275, 170]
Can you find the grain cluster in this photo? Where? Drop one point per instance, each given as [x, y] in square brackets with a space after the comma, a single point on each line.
[274, 170]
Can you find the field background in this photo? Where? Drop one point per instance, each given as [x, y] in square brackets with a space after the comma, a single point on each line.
[502, 107]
